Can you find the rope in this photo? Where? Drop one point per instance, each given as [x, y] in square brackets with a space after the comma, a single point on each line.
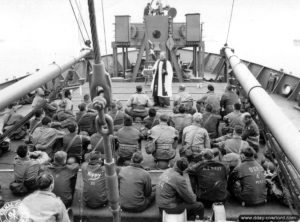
[77, 21]
[80, 15]
[230, 21]
[94, 31]
[104, 27]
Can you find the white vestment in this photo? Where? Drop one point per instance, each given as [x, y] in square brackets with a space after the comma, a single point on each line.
[168, 78]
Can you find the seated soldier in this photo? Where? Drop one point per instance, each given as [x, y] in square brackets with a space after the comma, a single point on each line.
[209, 179]
[26, 169]
[194, 139]
[87, 100]
[93, 175]
[235, 117]
[166, 140]
[152, 119]
[137, 104]
[183, 97]
[64, 177]
[129, 141]
[39, 99]
[210, 98]
[136, 190]
[181, 120]
[43, 205]
[9, 121]
[211, 121]
[247, 181]
[234, 144]
[174, 193]
[68, 101]
[117, 116]
[87, 122]
[44, 137]
[228, 99]
[36, 121]
[75, 145]
[81, 112]
[251, 131]
[63, 115]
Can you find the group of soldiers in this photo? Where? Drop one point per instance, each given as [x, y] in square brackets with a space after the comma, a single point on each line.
[206, 153]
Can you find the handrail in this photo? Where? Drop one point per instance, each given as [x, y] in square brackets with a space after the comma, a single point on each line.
[280, 126]
[38, 78]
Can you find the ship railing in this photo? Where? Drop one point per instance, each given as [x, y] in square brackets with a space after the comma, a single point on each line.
[281, 134]
[289, 177]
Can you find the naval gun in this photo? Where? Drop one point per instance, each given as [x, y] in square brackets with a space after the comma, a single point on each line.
[157, 33]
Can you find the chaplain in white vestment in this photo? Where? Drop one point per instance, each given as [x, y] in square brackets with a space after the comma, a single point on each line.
[162, 81]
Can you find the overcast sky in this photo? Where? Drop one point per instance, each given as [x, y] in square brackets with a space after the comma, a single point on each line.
[36, 32]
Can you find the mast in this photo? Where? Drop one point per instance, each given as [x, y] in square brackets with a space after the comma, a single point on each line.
[100, 81]
[280, 126]
[35, 80]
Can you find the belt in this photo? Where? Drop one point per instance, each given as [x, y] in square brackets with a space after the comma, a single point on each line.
[164, 146]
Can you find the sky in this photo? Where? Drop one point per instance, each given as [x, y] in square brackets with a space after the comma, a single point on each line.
[34, 33]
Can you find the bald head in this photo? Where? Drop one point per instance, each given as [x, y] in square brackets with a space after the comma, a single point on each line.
[162, 55]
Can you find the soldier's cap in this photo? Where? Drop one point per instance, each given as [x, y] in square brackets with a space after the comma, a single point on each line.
[210, 87]
[137, 157]
[139, 88]
[181, 87]
[81, 106]
[229, 87]
[248, 151]
[182, 163]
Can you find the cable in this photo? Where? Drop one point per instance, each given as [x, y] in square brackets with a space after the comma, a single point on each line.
[230, 21]
[77, 21]
[104, 27]
[80, 15]
[94, 32]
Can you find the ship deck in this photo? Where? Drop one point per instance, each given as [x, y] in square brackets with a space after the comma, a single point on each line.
[122, 91]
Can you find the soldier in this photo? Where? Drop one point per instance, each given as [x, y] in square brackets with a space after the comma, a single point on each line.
[43, 205]
[210, 98]
[247, 181]
[129, 141]
[93, 175]
[166, 139]
[136, 190]
[209, 179]
[194, 139]
[137, 104]
[228, 99]
[174, 194]
[251, 131]
[64, 177]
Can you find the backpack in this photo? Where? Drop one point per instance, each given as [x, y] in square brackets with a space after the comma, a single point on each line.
[87, 123]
